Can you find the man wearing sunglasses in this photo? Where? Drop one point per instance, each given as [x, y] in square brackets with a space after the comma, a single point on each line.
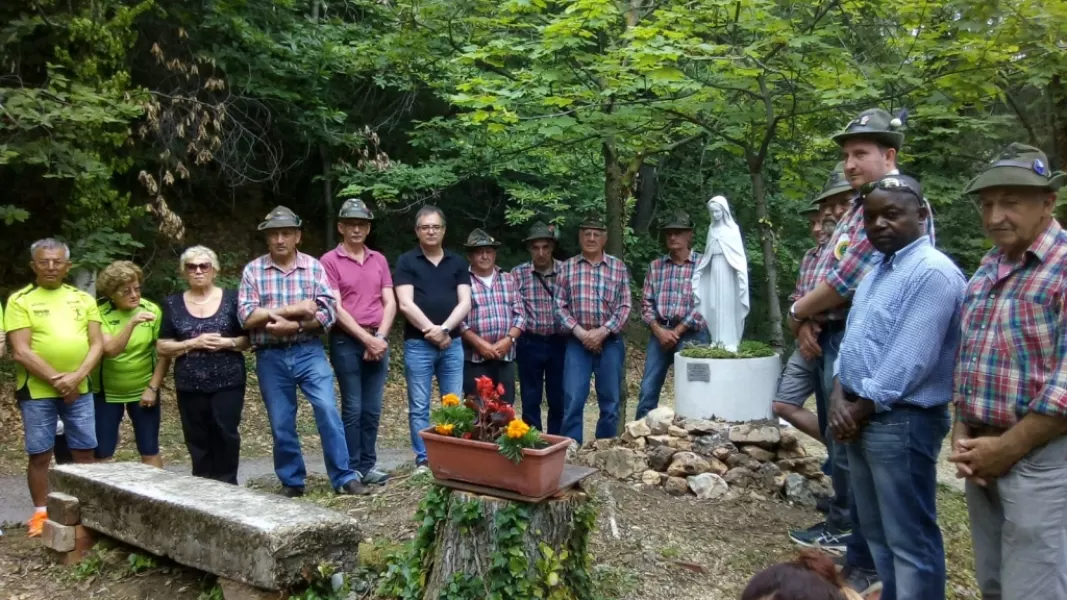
[893, 386]
[869, 146]
[285, 302]
[1010, 436]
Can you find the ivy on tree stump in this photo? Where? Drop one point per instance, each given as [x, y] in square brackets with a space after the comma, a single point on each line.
[471, 546]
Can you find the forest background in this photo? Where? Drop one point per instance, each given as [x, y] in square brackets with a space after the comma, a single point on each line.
[133, 129]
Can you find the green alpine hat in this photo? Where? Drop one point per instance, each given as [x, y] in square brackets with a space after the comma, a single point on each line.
[593, 221]
[836, 183]
[354, 208]
[540, 231]
[1018, 165]
[480, 239]
[875, 124]
[678, 220]
[809, 210]
[280, 218]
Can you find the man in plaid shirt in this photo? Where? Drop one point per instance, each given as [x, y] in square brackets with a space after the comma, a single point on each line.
[869, 146]
[594, 303]
[285, 303]
[668, 307]
[1010, 383]
[800, 377]
[542, 349]
[495, 321]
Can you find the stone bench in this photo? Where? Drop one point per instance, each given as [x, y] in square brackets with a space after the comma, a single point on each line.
[252, 537]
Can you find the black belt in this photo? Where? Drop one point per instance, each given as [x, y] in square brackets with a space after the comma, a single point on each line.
[282, 345]
[669, 323]
[543, 338]
[833, 326]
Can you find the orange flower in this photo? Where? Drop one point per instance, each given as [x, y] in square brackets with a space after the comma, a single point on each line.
[450, 400]
[517, 429]
[444, 429]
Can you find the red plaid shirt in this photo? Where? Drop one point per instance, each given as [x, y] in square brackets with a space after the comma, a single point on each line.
[539, 303]
[847, 259]
[593, 295]
[494, 311]
[1014, 344]
[806, 278]
[265, 285]
[668, 292]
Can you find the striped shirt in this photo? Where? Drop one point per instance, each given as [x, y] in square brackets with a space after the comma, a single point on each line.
[903, 332]
[806, 277]
[265, 285]
[495, 309]
[538, 303]
[668, 292]
[593, 295]
[1011, 360]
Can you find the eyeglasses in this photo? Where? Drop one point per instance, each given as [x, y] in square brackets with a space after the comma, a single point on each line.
[50, 263]
[429, 228]
[892, 184]
[198, 267]
[133, 290]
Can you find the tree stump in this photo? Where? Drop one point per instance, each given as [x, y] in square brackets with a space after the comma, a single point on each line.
[474, 546]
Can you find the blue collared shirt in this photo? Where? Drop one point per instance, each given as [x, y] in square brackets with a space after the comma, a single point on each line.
[903, 330]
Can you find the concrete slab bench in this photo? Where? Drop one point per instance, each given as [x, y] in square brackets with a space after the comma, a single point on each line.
[256, 538]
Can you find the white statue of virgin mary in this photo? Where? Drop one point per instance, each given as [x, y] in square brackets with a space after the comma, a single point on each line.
[720, 281]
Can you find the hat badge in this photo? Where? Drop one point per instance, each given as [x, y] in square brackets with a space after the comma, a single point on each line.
[1039, 167]
[864, 119]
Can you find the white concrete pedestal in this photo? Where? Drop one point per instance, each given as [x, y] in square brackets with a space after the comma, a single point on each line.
[729, 389]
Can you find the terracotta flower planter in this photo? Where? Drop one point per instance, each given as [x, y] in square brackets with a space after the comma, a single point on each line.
[481, 463]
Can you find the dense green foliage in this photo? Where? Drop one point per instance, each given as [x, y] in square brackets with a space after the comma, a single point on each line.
[746, 349]
[135, 127]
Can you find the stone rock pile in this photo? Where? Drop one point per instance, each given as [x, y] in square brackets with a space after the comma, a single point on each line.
[710, 459]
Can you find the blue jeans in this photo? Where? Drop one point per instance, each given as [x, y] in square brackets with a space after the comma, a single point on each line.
[581, 366]
[423, 360]
[540, 360]
[843, 513]
[657, 361]
[894, 480]
[362, 384]
[280, 371]
[40, 418]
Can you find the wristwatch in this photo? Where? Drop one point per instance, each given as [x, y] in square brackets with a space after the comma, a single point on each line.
[793, 313]
[447, 330]
[300, 328]
[379, 336]
[512, 338]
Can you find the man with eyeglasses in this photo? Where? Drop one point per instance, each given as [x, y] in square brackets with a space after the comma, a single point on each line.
[359, 347]
[869, 146]
[56, 341]
[285, 302]
[1010, 436]
[433, 290]
[893, 386]
[593, 303]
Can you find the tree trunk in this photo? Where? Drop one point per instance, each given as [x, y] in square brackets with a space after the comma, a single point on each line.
[770, 262]
[615, 199]
[484, 544]
[645, 206]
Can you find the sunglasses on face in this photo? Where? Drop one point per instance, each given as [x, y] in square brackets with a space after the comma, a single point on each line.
[891, 184]
[198, 267]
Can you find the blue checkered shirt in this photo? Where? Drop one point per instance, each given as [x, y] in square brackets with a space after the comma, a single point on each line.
[904, 329]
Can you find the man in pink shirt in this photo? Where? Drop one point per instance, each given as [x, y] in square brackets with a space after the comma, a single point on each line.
[359, 350]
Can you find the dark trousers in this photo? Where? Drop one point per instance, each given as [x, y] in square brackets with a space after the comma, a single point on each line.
[209, 422]
[362, 384]
[61, 451]
[500, 371]
[541, 359]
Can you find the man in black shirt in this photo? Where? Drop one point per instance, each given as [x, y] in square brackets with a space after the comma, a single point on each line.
[433, 290]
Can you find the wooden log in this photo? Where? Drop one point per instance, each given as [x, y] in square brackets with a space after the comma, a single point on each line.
[476, 546]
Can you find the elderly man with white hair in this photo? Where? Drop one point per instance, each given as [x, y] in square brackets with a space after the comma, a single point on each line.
[54, 329]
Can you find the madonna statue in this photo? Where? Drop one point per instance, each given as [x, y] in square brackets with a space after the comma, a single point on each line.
[720, 280]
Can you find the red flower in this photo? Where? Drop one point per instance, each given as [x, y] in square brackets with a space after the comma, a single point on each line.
[500, 389]
[466, 436]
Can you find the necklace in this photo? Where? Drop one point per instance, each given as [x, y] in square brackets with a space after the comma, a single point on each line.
[209, 298]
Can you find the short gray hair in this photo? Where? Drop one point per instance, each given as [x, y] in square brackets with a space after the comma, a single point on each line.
[194, 252]
[49, 244]
[429, 209]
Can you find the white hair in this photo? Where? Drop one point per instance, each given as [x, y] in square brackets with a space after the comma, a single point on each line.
[194, 252]
[49, 244]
